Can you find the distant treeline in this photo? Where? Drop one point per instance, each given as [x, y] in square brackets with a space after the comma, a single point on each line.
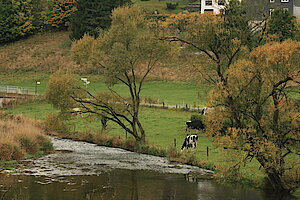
[21, 18]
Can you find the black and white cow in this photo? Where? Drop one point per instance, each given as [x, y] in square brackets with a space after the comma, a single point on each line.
[195, 124]
[190, 142]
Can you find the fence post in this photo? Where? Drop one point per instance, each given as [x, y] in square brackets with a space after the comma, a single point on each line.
[207, 149]
[175, 142]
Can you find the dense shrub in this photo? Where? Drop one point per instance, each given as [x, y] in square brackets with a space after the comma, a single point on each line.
[171, 6]
[45, 144]
[29, 145]
[196, 117]
[10, 151]
[173, 153]
[55, 123]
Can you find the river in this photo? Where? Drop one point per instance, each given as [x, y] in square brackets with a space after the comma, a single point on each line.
[84, 171]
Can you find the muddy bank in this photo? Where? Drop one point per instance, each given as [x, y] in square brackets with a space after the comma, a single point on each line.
[81, 158]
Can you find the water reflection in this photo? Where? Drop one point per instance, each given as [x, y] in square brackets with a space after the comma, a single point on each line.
[121, 185]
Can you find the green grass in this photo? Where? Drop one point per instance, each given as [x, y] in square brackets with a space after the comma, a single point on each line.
[33, 110]
[171, 93]
[25, 79]
[10, 162]
[160, 6]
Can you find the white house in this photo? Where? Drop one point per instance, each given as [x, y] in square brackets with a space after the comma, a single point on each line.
[297, 8]
[212, 6]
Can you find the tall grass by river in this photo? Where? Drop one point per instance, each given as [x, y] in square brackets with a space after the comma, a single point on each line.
[20, 136]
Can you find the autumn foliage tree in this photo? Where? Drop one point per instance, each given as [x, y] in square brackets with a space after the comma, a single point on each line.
[60, 88]
[222, 39]
[261, 120]
[253, 113]
[61, 12]
[126, 54]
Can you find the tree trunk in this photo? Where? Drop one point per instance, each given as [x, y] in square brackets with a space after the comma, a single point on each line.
[274, 176]
[276, 181]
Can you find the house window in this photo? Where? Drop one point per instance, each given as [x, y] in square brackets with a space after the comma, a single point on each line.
[209, 11]
[221, 2]
[208, 3]
[284, 1]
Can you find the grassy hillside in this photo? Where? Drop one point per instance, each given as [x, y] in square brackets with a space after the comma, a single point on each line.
[160, 6]
[41, 52]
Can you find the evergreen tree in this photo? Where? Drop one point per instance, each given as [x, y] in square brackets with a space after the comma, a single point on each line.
[7, 21]
[93, 15]
[282, 24]
[16, 19]
[39, 11]
[60, 13]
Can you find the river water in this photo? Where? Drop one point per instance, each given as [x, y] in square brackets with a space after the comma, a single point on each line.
[84, 171]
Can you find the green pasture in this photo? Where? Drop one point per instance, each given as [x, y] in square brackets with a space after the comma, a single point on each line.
[160, 6]
[171, 93]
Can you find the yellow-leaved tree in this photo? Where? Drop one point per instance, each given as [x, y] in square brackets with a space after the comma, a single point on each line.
[126, 53]
[260, 118]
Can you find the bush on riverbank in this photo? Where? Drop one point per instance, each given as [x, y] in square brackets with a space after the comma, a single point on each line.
[20, 136]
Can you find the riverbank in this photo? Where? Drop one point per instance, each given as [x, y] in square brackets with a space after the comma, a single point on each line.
[163, 127]
[80, 170]
[170, 152]
[82, 158]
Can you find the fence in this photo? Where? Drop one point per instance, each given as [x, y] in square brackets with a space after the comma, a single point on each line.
[186, 107]
[17, 90]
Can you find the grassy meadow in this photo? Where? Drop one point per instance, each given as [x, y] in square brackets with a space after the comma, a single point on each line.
[160, 6]
[169, 92]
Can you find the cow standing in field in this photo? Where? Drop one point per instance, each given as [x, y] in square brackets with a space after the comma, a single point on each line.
[195, 124]
[203, 112]
[190, 142]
